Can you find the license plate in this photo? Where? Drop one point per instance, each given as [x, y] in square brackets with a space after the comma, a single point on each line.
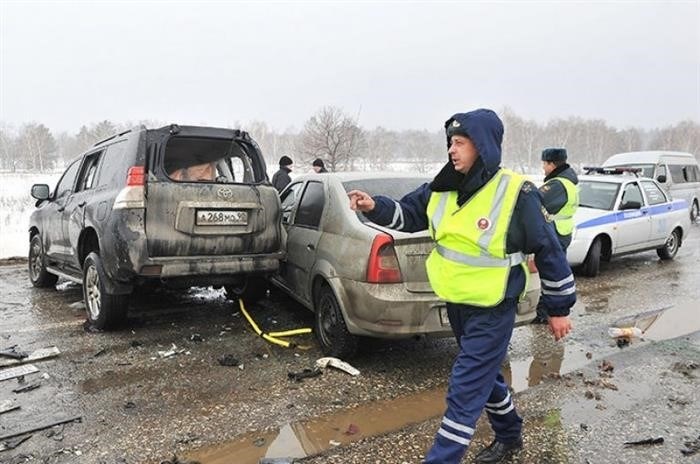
[221, 218]
[444, 320]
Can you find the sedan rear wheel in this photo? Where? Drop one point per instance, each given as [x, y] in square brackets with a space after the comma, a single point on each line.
[670, 248]
[38, 274]
[331, 331]
[104, 310]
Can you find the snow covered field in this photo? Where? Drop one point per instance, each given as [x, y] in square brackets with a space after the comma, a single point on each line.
[16, 205]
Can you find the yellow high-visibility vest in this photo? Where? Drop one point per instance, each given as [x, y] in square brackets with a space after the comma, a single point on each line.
[469, 263]
[564, 219]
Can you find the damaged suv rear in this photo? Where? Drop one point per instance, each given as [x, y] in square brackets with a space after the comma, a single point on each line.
[179, 205]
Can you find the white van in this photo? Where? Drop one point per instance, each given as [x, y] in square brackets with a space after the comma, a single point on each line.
[677, 172]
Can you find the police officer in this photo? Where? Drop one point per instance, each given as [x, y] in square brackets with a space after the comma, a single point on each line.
[484, 220]
[560, 199]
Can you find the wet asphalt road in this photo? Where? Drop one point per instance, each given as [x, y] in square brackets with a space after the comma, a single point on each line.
[137, 406]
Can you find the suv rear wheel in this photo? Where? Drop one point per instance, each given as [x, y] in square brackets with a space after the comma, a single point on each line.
[38, 274]
[330, 328]
[104, 311]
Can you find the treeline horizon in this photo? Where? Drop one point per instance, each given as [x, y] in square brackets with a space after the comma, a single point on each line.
[334, 136]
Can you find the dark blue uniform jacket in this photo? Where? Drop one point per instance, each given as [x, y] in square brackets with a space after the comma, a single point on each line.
[529, 232]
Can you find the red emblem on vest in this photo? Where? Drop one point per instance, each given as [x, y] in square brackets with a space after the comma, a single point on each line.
[483, 223]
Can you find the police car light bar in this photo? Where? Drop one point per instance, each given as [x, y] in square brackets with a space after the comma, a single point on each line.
[617, 170]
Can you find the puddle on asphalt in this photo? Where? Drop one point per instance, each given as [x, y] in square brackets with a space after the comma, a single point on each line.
[310, 437]
[306, 438]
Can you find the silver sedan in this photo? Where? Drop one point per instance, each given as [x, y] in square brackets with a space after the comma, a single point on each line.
[359, 278]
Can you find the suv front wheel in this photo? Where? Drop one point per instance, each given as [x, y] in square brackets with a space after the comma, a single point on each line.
[38, 274]
[104, 311]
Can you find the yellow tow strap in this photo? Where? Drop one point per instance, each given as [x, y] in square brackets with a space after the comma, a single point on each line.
[272, 337]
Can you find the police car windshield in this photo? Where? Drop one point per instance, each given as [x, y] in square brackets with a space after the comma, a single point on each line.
[598, 195]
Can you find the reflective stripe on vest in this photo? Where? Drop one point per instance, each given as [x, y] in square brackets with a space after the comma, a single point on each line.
[564, 219]
[469, 263]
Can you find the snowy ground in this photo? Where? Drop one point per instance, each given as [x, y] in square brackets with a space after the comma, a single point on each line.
[16, 205]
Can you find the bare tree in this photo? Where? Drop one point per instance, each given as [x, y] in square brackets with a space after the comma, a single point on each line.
[381, 145]
[36, 147]
[423, 148]
[684, 136]
[333, 136]
[7, 142]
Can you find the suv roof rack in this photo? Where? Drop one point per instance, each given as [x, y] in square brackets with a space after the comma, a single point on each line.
[112, 137]
[611, 171]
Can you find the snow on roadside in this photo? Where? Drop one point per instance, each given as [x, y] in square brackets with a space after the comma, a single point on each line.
[16, 205]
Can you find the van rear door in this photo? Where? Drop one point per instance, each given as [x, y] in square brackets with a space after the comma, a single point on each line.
[207, 194]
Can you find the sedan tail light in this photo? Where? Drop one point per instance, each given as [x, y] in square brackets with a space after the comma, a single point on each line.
[383, 266]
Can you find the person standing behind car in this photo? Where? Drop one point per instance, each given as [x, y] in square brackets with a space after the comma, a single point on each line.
[318, 166]
[281, 178]
[560, 199]
[484, 219]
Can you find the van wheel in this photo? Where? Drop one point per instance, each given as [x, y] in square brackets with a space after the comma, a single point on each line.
[670, 248]
[104, 311]
[252, 290]
[694, 211]
[591, 265]
[331, 332]
[38, 274]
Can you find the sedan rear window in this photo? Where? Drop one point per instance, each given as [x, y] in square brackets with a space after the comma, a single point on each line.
[390, 187]
[394, 188]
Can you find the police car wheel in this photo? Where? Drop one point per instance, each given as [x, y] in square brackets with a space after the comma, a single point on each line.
[694, 211]
[591, 265]
[670, 248]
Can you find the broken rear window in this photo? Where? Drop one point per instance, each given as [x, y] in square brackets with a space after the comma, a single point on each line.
[197, 159]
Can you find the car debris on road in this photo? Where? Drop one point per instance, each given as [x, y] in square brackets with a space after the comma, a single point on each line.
[338, 364]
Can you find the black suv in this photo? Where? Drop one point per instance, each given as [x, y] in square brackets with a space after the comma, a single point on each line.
[179, 205]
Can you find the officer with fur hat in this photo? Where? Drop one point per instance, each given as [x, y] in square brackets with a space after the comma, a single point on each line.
[560, 200]
[281, 178]
[484, 220]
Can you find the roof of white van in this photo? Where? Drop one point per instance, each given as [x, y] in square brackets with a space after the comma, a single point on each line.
[644, 157]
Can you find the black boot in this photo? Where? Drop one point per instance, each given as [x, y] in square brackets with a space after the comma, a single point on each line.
[498, 452]
[540, 320]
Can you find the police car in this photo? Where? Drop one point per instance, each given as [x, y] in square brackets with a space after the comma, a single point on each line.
[620, 213]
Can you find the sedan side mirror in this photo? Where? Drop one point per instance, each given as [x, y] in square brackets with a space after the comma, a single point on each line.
[661, 179]
[40, 191]
[630, 205]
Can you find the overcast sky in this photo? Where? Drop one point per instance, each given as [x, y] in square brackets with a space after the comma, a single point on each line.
[395, 64]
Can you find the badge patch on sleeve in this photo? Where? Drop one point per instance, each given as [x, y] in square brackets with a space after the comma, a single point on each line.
[547, 216]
